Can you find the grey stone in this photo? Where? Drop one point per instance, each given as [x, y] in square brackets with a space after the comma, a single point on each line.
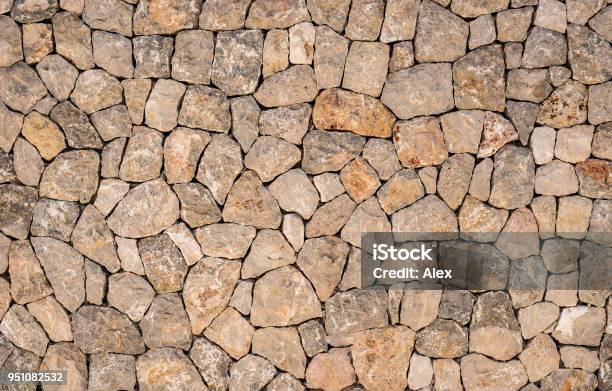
[152, 55]
[219, 166]
[205, 108]
[435, 44]
[73, 39]
[79, 132]
[163, 263]
[110, 15]
[166, 323]
[113, 53]
[165, 17]
[72, 176]
[198, 206]
[20, 87]
[544, 48]
[143, 157]
[221, 15]
[193, 55]
[162, 108]
[237, 62]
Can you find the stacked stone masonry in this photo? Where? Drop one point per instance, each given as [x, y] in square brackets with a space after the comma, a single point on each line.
[184, 184]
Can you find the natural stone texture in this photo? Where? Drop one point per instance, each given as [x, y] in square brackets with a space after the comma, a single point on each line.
[293, 229]
[482, 31]
[136, 92]
[478, 79]
[481, 373]
[232, 332]
[355, 310]
[54, 218]
[112, 122]
[165, 17]
[208, 289]
[381, 155]
[220, 165]
[537, 318]
[166, 323]
[560, 255]
[454, 179]
[519, 237]
[544, 48]
[237, 61]
[193, 56]
[187, 244]
[20, 87]
[271, 14]
[76, 126]
[429, 214]
[560, 377]
[313, 337]
[579, 357]
[292, 292]
[275, 55]
[600, 22]
[523, 116]
[559, 75]
[20, 327]
[72, 176]
[130, 294]
[198, 207]
[479, 221]
[565, 107]
[295, 193]
[580, 325]
[462, 130]
[599, 103]
[242, 297]
[245, 120]
[110, 15]
[28, 11]
[359, 179]
[271, 156]
[589, 55]
[111, 158]
[420, 373]
[212, 362]
[335, 110]
[225, 240]
[494, 330]
[473, 8]
[95, 282]
[165, 368]
[282, 347]
[10, 40]
[95, 90]
[442, 339]
[331, 371]
[113, 53]
[574, 144]
[251, 373]
[367, 217]
[112, 371]
[366, 68]
[434, 44]
[163, 263]
[143, 158]
[127, 250]
[12, 123]
[330, 14]
[64, 268]
[28, 282]
[512, 25]
[542, 144]
[206, 108]
[16, 207]
[400, 21]
[592, 175]
[365, 20]
[456, 305]
[53, 318]
[431, 91]
[329, 57]
[249, 202]
[573, 216]
[480, 186]
[329, 151]
[513, 178]
[446, 374]
[146, 210]
[92, 238]
[556, 178]
[551, 15]
[73, 39]
[162, 107]
[27, 162]
[221, 15]
[401, 190]
[301, 43]
[419, 142]
[287, 122]
[529, 85]
[67, 356]
[322, 261]
[37, 41]
[329, 186]
[294, 85]
[381, 357]
[105, 330]
[152, 56]
[540, 357]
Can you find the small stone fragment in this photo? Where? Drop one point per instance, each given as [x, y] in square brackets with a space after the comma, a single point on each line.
[127, 250]
[213, 363]
[136, 92]
[537, 318]
[480, 186]
[454, 179]
[92, 238]
[143, 157]
[275, 52]
[130, 294]
[112, 122]
[96, 90]
[512, 25]
[242, 297]
[113, 53]
[95, 282]
[293, 229]
[219, 166]
[482, 31]
[111, 158]
[599, 103]
[163, 263]
[165, 368]
[245, 120]
[165, 17]
[419, 142]
[329, 151]
[231, 332]
[37, 41]
[367, 217]
[162, 108]
[20, 327]
[73, 40]
[53, 318]
[27, 162]
[198, 207]
[76, 126]
[237, 62]
[166, 323]
[187, 244]
[251, 372]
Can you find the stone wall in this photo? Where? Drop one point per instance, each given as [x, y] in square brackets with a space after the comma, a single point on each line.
[183, 189]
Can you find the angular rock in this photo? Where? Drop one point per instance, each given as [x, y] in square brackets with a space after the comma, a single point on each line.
[146, 210]
[330, 371]
[92, 238]
[127, 250]
[429, 214]
[480, 222]
[187, 244]
[76, 126]
[205, 108]
[220, 15]
[435, 44]
[322, 261]
[113, 53]
[580, 325]
[556, 178]
[164, 368]
[573, 216]
[478, 79]
[225, 240]
[366, 67]
[513, 178]
[282, 347]
[163, 263]
[574, 144]
[513, 24]
[329, 186]
[593, 176]
[259, 157]
[219, 166]
[519, 238]
[165, 17]
[143, 157]
[27, 162]
[53, 318]
[331, 217]
[166, 323]
[480, 187]
[136, 92]
[193, 56]
[65, 270]
[400, 21]
[494, 330]
[419, 142]
[482, 32]
[329, 58]
[28, 11]
[212, 362]
[20, 327]
[419, 307]
[589, 55]
[365, 20]
[431, 90]
[58, 75]
[198, 207]
[442, 339]
[295, 193]
[237, 61]
[313, 337]
[381, 357]
[446, 374]
[600, 22]
[456, 305]
[523, 116]
[16, 208]
[537, 318]
[162, 108]
[275, 55]
[242, 297]
[67, 356]
[473, 8]
[480, 373]
[114, 371]
[355, 310]
[20, 87]
[95, 282]
[579, 357]
[599, 103]
[28, 282]
[37, 41]
[112, 122]
[540, 357]
[462, 130]
[359, 179]
[294, 85]
[381, 155]
[529, 85]
[401, 190]
[54, 218]
[12, 123]
[544, 48]
[542, 144]
[292, 291]
[454, 179]
[96, 90]
[208, 289]
[561, 377]
[251, 373]
[329, 151]
[245, 120]
[301, 43]
[565, 107]
[288, 122]
[130, 294]
[367, 217]
[231, 332]
[330, 14]
[73, 40]
[110, 15]
[271, 14]
[551, 15]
